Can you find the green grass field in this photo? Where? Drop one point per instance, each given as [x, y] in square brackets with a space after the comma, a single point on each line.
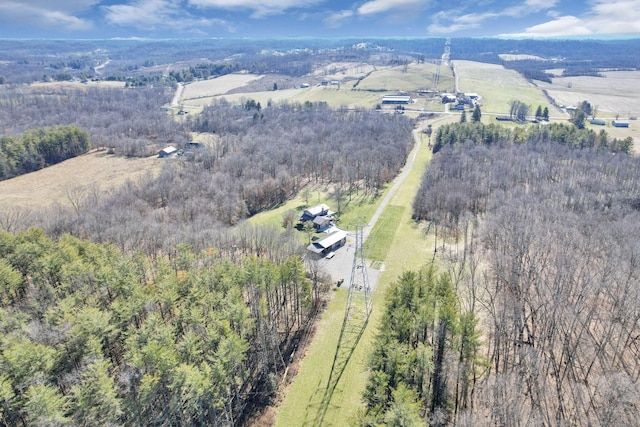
[377, 245]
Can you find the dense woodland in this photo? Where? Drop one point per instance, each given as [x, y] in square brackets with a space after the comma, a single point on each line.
[540, 241]
[92, 337]
[38, 148]
[257, 163]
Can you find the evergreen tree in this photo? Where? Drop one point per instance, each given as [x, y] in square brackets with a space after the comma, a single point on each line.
[477, 114]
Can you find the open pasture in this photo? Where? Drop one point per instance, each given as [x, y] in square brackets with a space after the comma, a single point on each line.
[344, 71]
[414, 77]
[218, 86]
[334, 96]
[76, 85]
[616, 93]
[497, 85]
[55, 184]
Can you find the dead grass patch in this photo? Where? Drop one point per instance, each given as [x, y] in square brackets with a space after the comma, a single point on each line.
[218, 86]
[616, 93]
[96, 170]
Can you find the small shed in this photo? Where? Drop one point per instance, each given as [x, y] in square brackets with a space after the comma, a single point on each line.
[168, 151]
[598, 122]
[620, 123]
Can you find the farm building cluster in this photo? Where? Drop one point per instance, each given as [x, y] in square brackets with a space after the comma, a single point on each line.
[461, 100]
[171, 151]
[323, 220]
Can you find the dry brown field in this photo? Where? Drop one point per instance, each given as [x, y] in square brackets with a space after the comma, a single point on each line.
[345, 70]
[52, 185]
[616, 93]
[76, 85]
[217, 86]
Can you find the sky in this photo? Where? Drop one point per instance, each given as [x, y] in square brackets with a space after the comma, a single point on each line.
[99, 19]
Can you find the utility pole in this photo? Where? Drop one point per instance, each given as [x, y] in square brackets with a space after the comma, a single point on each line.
[356, 317]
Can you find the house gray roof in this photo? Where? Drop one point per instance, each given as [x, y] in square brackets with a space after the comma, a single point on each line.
[327, 241]
[316, 210]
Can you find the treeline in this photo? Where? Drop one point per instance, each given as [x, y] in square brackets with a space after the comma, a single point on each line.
[92, 337]
[541, 241]
[426, 355]
[39, 148]
[480, 133]
[204, 71]
[575, 57]
[128, 122]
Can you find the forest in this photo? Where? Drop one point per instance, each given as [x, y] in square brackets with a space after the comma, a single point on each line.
[538, 241]
[156, 303]
[257, 163]
[41, 147]
[125, 122]
[90, 336]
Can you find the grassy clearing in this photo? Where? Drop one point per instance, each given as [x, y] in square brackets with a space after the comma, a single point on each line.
[360, 208]
[614, 94]
[217, 86]
[304, 396]
[379, 241]
[335, 97]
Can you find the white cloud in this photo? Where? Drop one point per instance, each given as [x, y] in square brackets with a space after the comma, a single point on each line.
[337, 19]
[563, 26]
[51, 14]
[380, 6]
[604, 18]
[620, 17]
[143, 13]
[156, 14]
[451, 21]
[260, 8]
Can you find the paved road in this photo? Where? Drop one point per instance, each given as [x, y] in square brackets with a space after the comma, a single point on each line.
[340, 266]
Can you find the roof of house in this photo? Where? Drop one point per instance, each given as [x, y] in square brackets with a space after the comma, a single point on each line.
[169, 150]
[321, 219]
[327, 241]
[316, 210]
